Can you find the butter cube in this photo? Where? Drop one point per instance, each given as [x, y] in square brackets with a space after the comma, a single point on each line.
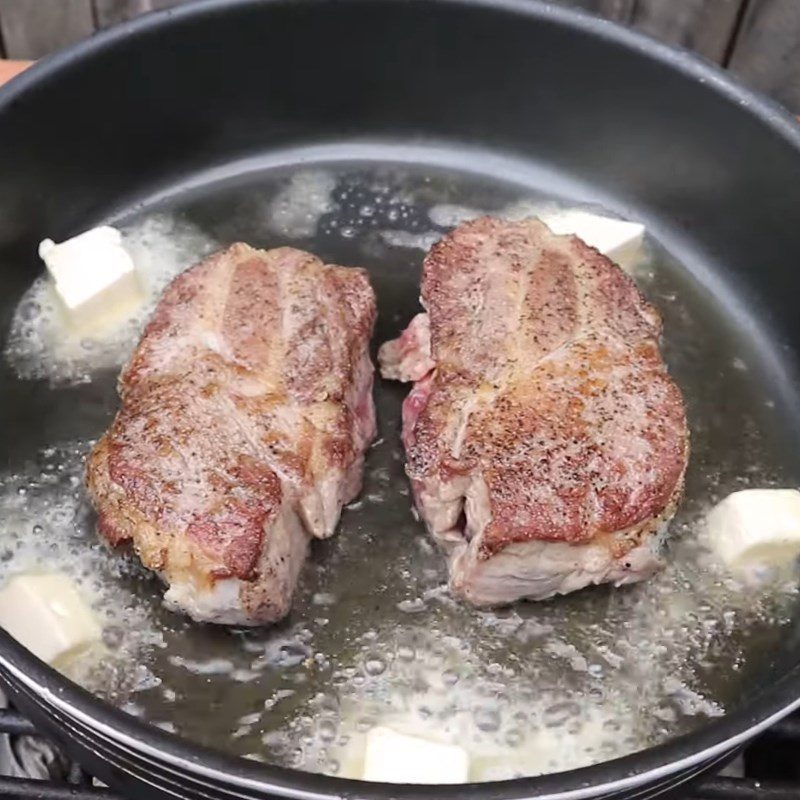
[618, 239]
[756, 528]
[45, 613]
[94, 276]
[397, 758]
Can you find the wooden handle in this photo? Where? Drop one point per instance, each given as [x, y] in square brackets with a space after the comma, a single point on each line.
[8, 69]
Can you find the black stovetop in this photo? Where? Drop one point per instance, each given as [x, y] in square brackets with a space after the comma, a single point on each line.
[767, 769]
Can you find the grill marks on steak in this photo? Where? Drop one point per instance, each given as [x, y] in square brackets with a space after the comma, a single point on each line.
[548, 443]
[246, 410]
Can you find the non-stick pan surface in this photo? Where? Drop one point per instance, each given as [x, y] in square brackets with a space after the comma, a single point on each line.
[362, 131]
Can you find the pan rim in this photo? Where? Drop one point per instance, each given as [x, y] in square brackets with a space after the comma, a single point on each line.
[661, 762]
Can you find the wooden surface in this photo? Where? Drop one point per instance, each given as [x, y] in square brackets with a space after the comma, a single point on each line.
[618, 10]
[33, 29]
[767, 51]
[699, 25]
[110, 12]
[8, 69]
[758, 39]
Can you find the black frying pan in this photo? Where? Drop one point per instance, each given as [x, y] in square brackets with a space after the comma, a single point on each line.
[208, 113]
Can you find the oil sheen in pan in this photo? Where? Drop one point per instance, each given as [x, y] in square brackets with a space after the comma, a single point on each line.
[374, 637]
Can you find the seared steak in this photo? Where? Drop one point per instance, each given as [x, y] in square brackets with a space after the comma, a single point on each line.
[246, 410]
[546, 443]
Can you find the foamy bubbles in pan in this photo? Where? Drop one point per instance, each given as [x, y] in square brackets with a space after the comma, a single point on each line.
[532, 689]
[374, 637]
[296, 209]
[537, 688]
[45, 527]
[41, 344]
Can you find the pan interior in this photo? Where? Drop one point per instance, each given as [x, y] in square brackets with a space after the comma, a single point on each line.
[374, 637]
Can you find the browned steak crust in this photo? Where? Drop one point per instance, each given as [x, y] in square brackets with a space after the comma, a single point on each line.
[246, 409]
[548, 416]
